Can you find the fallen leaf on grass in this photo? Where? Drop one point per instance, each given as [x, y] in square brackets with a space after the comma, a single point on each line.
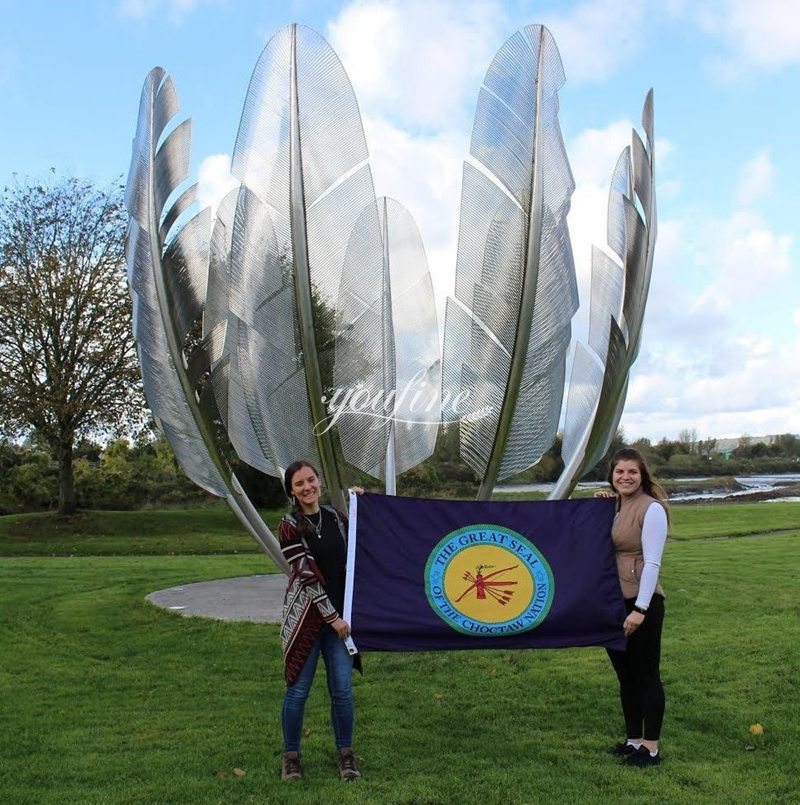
[239, 772]
[756, 729]
[220, 774]
[438, 696]
[307, 731]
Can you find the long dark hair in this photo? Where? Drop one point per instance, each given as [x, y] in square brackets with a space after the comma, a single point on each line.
[649, 486]
[303, 526]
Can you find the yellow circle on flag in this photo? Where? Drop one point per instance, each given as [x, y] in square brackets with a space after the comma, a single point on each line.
[489, 583]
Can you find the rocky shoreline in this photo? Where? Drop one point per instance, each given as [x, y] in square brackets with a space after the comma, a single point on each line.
[732, 486]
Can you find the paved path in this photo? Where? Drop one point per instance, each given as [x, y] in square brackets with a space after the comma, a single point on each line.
[248, 598]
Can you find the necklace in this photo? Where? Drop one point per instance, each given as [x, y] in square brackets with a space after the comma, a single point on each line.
[316, 526]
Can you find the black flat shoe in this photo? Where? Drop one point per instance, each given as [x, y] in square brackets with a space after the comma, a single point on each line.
[641, 758]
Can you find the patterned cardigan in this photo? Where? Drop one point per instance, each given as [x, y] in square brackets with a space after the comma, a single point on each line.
[306, 605]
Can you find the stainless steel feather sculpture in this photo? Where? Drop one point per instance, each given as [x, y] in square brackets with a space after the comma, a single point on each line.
[599, 382]
[167, 258]
[301, 158]
[316, 299]
[232, 262]
[387, 370]
[508, 328]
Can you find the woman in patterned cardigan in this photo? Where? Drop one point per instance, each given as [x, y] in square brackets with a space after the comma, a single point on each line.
[313, 539]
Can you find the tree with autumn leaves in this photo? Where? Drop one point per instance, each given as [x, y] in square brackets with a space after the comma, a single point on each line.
[68, 366]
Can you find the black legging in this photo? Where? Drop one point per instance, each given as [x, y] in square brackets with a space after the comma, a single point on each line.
[637, 668]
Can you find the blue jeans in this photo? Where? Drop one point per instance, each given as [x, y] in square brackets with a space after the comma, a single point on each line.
[339, 672]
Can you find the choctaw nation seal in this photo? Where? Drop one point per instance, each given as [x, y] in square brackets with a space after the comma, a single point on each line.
[488, 581]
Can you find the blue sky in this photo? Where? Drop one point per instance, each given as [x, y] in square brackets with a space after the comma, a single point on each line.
[722, 333]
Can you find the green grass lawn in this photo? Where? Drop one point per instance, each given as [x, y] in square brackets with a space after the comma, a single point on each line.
[692, 521]
[217, 531]
[108, 699]
[128, 533]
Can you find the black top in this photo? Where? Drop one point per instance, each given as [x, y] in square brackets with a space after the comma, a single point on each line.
[330, 554]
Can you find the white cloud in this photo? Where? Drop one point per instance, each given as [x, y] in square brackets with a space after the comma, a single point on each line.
[681, 392]
[755, 180]
[214, 180]
[764, 34]
[672, 313]
[768, 32]
[587, 227]
[423, 173]
[596, 37]
[418, 63]
[744, 258]
[707, 360]
[593, 154]
[704, 362]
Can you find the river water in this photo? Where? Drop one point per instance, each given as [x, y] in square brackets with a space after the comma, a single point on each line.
[751, 483]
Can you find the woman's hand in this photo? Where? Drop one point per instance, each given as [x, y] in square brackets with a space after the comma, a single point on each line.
[359, 490]
[605, 493]
[632, 623]
[342, 628]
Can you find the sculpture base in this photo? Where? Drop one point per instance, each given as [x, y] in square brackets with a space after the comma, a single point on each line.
[258, 599]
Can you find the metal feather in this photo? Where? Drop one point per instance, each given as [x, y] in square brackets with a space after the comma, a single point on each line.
[388, 370]
[508, 327]
[167, 255]
[601, 371]
[301, 154]
[229, 267]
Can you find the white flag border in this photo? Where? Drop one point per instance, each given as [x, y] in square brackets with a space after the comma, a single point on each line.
[351, 566]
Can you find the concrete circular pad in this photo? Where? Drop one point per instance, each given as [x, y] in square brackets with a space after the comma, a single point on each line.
[248, 598]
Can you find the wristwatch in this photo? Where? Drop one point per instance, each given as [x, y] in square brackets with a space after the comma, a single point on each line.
[639, 609]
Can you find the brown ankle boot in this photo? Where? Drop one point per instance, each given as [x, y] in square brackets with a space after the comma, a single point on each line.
[290, 766]
[346, 761]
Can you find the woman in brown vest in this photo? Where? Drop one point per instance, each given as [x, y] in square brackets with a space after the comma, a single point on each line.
[639, 534]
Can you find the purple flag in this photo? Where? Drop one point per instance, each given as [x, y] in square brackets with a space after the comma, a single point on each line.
[432, 575]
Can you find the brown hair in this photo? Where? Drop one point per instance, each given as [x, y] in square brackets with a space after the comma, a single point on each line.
[649, 486]
[303, 526]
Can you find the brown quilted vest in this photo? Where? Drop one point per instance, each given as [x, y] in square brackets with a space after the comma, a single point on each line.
[626, 534]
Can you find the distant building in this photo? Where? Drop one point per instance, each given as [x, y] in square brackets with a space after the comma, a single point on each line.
[727, 446]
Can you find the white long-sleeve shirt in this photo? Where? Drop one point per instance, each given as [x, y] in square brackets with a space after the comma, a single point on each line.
[654, 537]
